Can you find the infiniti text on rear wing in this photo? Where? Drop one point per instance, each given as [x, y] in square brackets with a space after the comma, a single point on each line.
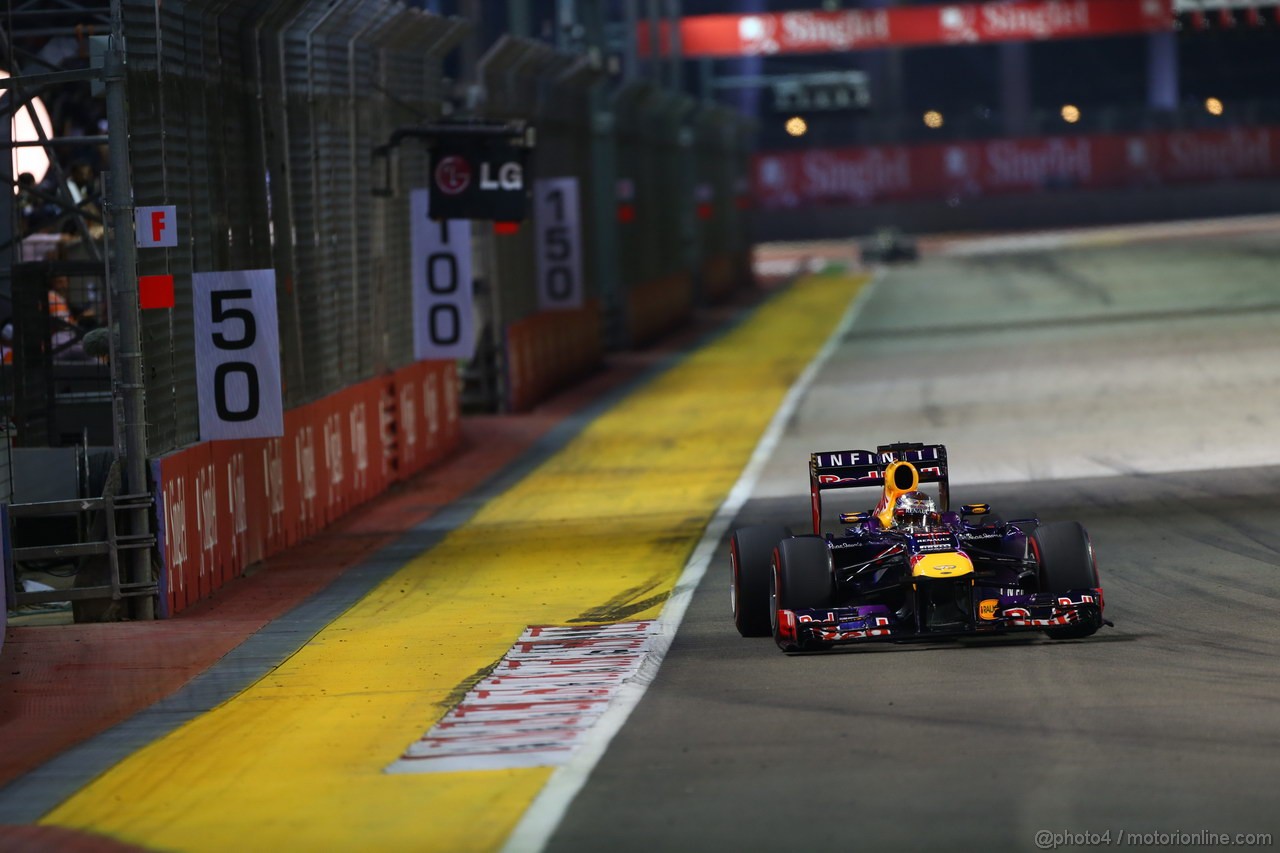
[851, 469]
[845, 469]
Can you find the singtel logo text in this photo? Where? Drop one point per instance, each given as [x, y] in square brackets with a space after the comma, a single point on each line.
[863, 176]
[844, 30]
[1036, 21]
[1011, 164]
[1237, 154]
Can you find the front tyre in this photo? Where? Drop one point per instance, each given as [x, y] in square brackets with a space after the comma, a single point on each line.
[1067, 562]
[750, 567]
[802, 580]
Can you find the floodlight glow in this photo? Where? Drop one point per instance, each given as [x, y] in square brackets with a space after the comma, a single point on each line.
[31, 158]
[797, 126]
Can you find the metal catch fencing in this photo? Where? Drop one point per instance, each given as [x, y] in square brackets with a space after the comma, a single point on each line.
[257, 120]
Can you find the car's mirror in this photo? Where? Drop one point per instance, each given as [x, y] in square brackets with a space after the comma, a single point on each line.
[975, 509]
[851, 517]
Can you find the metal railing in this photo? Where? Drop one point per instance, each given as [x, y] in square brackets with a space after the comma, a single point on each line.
[95, 558]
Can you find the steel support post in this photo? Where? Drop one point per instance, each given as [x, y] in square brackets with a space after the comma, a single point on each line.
[603, 203]
[630, 48]
[126, 367]
[653, 11]
[675, 46]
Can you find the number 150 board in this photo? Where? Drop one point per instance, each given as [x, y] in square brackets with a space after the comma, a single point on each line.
[558, 234]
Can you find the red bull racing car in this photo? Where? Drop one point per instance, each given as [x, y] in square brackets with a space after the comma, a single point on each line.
[910, 568]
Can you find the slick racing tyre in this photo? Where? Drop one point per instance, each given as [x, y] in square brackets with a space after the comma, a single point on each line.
[1066, 563]
[801, 580]
[750, 566]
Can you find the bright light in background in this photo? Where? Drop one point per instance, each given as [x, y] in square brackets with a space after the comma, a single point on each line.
[797, 126]
[933, 119]
[1213, 106]
[1070, 113]
[29, 159]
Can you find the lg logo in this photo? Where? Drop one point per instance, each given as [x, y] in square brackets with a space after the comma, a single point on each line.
[453, 175]
[510, 177]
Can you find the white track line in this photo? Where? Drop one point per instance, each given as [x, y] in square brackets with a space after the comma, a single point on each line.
[1039, 241]
[548, 808]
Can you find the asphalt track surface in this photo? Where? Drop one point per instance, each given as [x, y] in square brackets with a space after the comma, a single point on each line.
[1133, 388]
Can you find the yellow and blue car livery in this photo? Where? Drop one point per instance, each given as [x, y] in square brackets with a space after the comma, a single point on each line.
[963, 572]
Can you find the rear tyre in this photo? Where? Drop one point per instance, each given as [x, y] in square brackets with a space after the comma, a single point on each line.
[1067, 562]
[802, 579]
[750, 567]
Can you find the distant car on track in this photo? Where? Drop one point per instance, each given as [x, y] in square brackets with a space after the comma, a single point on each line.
[910, 569]
[888, 245]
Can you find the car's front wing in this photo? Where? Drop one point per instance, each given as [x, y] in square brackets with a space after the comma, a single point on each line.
[993, 613]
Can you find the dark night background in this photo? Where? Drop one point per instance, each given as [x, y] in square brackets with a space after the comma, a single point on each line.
[1107, 78]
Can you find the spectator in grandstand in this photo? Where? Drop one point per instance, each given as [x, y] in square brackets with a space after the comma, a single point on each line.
[34, 210]
[83, 185]
[86, 293]
[65, 321]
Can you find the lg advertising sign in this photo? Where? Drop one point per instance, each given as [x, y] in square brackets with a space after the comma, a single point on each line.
[479, 179]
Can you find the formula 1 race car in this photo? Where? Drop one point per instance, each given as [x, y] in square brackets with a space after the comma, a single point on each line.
[910, 569]
[887, 246]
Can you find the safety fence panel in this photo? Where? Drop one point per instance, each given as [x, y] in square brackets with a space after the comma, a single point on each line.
[535, 352]
[313, 107]
[224, 505]
[367, 130]
[155, 40]
[720, 146]
[407, 90]
[655, 184]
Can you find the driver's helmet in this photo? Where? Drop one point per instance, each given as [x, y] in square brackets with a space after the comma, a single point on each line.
[914, 511]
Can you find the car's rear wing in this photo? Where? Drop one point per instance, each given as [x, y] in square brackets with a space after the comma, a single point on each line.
[851, 469]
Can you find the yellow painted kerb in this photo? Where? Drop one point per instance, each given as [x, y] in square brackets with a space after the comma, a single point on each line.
[597, 533]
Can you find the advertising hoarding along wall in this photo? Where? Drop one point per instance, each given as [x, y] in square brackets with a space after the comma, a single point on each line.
[911, 26]
[548, 350]
[867, 175]
[224, 505]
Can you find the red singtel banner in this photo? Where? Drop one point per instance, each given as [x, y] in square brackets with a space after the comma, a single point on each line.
[870, 174]
[911, 26]
[223, 505]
